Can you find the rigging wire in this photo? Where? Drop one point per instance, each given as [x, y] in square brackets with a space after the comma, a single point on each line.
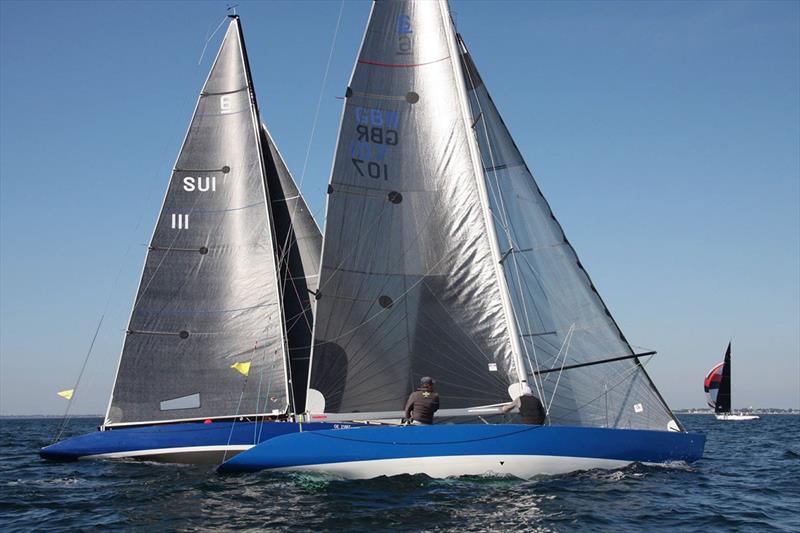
[290, 235]
[567, 343]
[208, 39]
[65, 419]
[114, 284]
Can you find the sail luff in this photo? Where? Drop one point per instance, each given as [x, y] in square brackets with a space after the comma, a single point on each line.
[469, 120]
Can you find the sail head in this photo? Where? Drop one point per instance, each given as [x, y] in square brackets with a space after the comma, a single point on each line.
[208, 302]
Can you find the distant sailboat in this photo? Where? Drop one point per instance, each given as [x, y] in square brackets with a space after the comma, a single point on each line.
[442, 258]
[221, 323]
[718, 390]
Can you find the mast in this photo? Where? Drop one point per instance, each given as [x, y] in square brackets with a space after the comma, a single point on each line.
[511, 322]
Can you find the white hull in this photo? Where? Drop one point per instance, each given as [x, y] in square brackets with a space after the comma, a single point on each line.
[728, 416]
[186, 455]
[521, 466]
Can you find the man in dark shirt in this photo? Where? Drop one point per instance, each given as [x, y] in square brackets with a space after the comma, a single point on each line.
[531, 410]
[422, 403]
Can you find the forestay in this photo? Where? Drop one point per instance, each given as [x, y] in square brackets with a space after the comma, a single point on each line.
[409, 283]
[561, 318]
[209, 295]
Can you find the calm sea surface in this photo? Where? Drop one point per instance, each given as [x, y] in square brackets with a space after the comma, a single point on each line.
[749, 480]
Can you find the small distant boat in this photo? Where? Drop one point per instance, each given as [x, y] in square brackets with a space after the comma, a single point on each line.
[718, 391]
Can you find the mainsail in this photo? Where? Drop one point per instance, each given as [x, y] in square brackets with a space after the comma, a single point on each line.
[718, 385]
[210, 296]
[562, 319]
[409, 284]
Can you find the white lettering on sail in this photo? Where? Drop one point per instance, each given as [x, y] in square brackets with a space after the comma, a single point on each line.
[225, 103]
[180, 221]
[202, 184]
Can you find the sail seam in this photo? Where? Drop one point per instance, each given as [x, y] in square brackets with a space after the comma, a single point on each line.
[401, 65]
[225, 92]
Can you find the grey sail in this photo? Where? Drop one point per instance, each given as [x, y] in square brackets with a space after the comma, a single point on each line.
[209, 295]
[299, 244]
[562, 319]
[409, 284]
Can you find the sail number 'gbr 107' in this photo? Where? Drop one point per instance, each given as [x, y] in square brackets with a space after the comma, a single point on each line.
[376, 132]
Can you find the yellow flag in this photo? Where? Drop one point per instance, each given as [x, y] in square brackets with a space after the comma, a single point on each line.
[67, 394]
[243, 367]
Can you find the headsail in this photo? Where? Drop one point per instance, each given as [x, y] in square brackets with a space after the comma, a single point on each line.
[299, 243]
[409, 283]
[718, 385]
[209, 295]
[562, 319]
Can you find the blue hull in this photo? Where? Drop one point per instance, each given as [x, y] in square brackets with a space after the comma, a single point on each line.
[192, 442]
[466, 449]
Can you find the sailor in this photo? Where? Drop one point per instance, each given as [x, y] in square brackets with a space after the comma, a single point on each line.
[422, 403]
[530, 407]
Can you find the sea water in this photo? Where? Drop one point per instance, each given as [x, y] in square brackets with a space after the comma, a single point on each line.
[748, 480]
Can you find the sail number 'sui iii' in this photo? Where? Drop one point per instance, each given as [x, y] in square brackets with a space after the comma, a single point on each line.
[376, 133]
[193, 184]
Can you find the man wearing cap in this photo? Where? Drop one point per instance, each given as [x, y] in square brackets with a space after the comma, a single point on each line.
[531, 410]
[422, 403]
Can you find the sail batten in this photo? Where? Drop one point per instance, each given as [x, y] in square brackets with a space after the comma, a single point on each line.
[210, 276]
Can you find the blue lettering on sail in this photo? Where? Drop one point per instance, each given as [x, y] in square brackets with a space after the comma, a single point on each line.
[403, 25]
[376, 131]
[371, 116]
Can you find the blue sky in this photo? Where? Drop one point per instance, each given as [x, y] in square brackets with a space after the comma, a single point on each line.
[666, 136]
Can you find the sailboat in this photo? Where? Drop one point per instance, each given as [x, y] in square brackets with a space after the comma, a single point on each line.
[718, 390]
[442, 258]
[221, 323]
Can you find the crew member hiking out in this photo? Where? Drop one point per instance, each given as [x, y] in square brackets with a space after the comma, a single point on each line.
[531, 410]
[422, 403]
